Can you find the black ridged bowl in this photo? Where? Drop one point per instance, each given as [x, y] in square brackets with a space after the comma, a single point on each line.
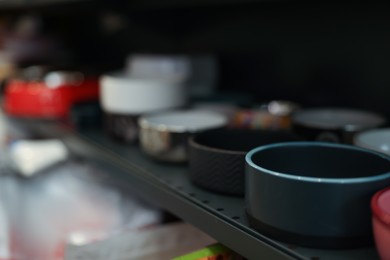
[217, 157]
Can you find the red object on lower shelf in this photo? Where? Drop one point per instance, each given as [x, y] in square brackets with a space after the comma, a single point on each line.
[35, 99]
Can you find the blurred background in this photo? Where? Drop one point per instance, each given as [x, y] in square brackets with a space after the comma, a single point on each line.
[317, 54]
[243, 52]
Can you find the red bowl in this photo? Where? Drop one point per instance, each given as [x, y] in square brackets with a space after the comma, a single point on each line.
[36, 99]
[380, 206]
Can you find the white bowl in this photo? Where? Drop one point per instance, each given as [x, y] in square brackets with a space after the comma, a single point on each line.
[158, 65]
[122, 94]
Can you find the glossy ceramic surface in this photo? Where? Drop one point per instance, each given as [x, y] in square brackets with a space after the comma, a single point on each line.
[122, 94]
[380, 206]
[314, 194]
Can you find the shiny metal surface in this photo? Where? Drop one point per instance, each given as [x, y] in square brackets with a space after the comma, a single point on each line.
[169, 141]
[164, 145]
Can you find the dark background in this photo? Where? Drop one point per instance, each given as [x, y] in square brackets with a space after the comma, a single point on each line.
[321, 53]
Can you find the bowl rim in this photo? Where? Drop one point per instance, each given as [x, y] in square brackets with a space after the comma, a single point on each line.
[198, 146]
[297, 119]
[146, 121]
[201, 146]
[378, 177]
[121, 79]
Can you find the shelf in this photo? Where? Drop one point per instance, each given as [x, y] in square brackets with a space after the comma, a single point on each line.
[222, 217]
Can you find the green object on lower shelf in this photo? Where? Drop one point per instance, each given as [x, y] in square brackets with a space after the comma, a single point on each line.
[210, 251]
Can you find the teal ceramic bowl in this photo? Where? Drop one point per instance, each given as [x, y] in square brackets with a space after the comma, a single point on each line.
[313, 193]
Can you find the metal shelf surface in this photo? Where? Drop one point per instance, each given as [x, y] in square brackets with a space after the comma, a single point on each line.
[222, 217]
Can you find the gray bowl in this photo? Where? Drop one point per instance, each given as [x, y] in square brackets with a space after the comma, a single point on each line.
[336, 125]
[374, 139]
[314, 194]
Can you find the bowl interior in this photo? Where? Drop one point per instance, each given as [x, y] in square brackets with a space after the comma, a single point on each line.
[321, 161]
[241, 140]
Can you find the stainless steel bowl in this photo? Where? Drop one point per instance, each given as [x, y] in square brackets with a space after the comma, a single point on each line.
[164, 136]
